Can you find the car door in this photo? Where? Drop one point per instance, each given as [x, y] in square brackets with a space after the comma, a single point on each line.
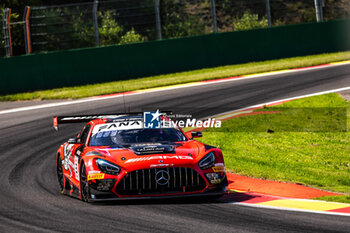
[72, 155]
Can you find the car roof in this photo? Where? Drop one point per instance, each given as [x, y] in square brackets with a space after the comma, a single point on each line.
[121, 118]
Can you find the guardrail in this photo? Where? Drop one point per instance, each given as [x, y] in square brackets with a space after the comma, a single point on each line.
[120, 62]
[97, 23]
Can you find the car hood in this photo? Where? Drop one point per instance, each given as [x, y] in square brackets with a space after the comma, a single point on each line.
[154, 155]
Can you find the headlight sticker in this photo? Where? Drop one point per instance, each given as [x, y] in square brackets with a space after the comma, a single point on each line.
[218, 169]
[95, 176]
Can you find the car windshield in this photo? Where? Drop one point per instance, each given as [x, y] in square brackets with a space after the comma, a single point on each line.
[131, 136]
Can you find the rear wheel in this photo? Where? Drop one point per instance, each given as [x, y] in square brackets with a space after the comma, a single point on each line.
[84, 186]
[60, 174]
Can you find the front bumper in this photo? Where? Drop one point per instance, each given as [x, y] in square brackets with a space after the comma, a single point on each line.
[216, 190]
[216, 193]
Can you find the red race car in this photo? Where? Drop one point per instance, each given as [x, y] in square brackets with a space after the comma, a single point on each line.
[120, 157]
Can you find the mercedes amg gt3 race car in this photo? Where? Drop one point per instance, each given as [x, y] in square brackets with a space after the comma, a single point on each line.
[116, 157]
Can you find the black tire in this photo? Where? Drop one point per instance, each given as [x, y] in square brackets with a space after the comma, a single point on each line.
[84, 185]
[60, 174]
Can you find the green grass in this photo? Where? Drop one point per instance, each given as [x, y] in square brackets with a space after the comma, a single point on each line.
[178, 78]
[307, 147]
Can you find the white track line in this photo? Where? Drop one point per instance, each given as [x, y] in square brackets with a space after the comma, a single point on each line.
[290, 209]
[200, 83]
[281, 100]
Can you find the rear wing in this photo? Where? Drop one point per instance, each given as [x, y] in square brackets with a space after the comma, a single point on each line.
[87, 118]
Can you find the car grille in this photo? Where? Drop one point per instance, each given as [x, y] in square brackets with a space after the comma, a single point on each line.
[141, 182]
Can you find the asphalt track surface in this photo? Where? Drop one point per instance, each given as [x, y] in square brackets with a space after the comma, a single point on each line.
[29, 196]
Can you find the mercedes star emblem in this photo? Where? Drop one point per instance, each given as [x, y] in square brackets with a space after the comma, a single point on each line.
[162, 177]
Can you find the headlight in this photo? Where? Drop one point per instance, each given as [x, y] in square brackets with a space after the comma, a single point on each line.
[207, 162]
[107, 167]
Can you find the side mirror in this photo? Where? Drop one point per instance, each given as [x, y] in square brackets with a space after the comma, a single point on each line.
[72, 141]
[196, 134]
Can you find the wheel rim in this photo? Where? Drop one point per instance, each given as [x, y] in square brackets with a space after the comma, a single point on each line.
[84, 186]
[60, 174]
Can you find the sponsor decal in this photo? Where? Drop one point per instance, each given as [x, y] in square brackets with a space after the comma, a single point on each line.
[95, 176]
[76, 167]
[151, 120]
[218, 169]
[113, 127]
[152, 149]
[181, 157]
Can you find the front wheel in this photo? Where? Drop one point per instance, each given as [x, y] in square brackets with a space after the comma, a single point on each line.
[60, 174]
[84, 186]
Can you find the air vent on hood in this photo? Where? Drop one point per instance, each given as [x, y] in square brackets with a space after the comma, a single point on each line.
[152, 149]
